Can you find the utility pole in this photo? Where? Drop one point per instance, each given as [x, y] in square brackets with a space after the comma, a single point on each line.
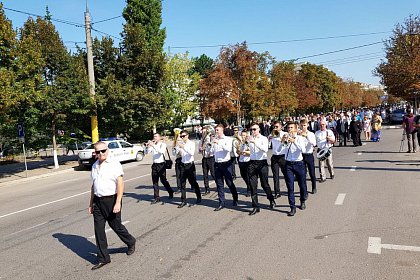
[94, 118]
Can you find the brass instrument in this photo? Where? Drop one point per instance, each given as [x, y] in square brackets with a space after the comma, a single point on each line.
[177, 132]
[207, 137]
[275, 133]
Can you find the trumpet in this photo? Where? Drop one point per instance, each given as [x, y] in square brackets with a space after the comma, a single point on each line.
[286, 138]
[275, 133]
[177, 132]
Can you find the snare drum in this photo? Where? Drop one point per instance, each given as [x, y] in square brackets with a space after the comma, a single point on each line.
[323, 153]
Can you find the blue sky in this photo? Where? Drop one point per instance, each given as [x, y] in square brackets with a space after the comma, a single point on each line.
[196, 23]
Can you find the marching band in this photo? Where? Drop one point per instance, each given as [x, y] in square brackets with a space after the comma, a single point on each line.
[292, 154]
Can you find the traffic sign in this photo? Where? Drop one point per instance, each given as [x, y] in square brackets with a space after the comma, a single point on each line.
[21, 130]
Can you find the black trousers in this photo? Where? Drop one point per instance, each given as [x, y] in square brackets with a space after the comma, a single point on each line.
[309, 161]
[178, 172]
[208, 165]
[233, 160]
[278, 163]
[102, 213]
[159, 172]
[188, 173]
[343, 139]
[223, 172]
[259, 168]
[243, 169]
[356, 139]
[295, 169]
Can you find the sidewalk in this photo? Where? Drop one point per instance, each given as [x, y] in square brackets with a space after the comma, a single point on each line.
[36, 167]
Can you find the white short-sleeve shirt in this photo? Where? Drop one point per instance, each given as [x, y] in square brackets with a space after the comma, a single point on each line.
[104, 177]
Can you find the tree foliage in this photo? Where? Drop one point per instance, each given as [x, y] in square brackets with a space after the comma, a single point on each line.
[400, 72]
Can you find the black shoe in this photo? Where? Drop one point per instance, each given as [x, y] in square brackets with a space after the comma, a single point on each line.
[248, 194]
[332, 177]
[198, 201]
[254, 211]
[206, 192]
[292, 212]
[314, 191]
[302, 205]
[182, 204]
[131, 249]
[272, 204]
[171, 195]
[235, 203]
[99, 265]
[221, 206]
[155, 200]
[322, 180]
[277, 195]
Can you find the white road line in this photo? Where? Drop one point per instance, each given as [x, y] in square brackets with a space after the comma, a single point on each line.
[62, 199]
[29, 228]
[109, 229]
[44, 204]
[340, 199]
[353, 168]
[359, 154]
[364, 144]
[128, 180]
[375, 246]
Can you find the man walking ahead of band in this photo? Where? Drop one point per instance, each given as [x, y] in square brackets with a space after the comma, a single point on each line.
[258, 167]
[221, 147]
[308, 152]
[106, 202]
[295, 167]
[325, 139]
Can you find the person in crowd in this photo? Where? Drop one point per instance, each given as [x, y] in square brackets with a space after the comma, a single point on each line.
[295, 167]
[207, 162]
[308, 152]
[367, 127]
[376, 127]
[187, 149]
[278, 162]
[313, 124]
[258, 167]
[342, 130]
[221, 148]
[244, 158]
[324, 140]
[411, 132]
[354, 129]
[158, 149]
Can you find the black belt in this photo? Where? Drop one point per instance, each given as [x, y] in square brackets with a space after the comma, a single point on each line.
[187, 164]
[105, 196]
[222, 162]
[293, 162]
[307, 153]
[278, 155]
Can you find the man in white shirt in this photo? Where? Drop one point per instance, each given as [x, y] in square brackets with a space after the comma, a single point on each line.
[158, 149]
[207, 162]
[244, 158]
[187, 149]
[105, 203]
[258, 167]
[222, 147]
[277, 159]
[295, 167]
[325, 139]
[308, 151]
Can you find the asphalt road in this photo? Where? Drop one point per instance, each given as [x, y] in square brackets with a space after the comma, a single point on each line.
[46, 232]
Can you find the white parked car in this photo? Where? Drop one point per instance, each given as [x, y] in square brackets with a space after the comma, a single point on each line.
[118, 149]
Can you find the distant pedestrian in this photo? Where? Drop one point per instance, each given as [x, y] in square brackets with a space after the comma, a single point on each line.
[411, 131]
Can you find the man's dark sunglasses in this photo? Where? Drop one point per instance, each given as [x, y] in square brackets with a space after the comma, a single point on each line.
[182, 136]
[254, 128]
[101, 151]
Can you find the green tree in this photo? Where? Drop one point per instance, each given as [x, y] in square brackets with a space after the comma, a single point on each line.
[179, 89]
[400, 73]
[283, 84]
[202, 65]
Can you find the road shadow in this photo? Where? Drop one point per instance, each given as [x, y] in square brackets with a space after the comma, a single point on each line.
[82, 247]
[377, 152]
[377, 168]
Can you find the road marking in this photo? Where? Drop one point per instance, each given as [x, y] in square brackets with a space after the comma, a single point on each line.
[44, 204]
[359, 154]
[340, 199]
[108, 229]
[364, 144]
[29, 228]
[128, 180]
[353, 168]
[375, 246]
